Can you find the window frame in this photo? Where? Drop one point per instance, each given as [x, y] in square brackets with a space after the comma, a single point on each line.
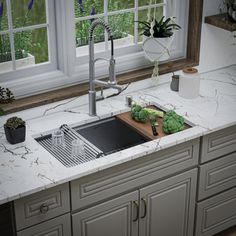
[136, 58]
[52, 82]
[52, 47]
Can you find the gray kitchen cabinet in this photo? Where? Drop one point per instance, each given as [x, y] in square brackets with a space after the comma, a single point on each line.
[132, 175]
[216, 213]
[167, 207]
[164, 208]
[216, 199]
[42, 206]
[217, 144]
[117, 217]
[59, 226]
[217, 176]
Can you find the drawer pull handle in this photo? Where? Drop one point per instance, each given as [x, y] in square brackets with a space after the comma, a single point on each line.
[44, 208]
[137, 211]
[145, 208]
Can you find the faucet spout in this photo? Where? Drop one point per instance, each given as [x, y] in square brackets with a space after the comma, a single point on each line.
[112, 74]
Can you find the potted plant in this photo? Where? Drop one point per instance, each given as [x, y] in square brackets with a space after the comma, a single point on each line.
[231, 9]
[15, 130]
[158, 37]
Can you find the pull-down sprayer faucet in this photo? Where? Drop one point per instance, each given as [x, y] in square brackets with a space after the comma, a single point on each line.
[111, 83]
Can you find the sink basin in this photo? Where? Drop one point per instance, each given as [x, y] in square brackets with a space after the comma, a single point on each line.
[111, 135]
[102, 138]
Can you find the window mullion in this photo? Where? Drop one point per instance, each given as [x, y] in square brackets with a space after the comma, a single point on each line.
[135, 22]
[31, 27]
[106, 20]
[11, 35]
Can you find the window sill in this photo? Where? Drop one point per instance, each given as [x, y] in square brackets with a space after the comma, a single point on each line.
[81, 89]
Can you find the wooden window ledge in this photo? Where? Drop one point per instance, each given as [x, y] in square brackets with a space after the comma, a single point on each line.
[81, 89]
[221, 21]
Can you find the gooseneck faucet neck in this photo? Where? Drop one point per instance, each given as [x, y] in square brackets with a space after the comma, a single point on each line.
[112, 77]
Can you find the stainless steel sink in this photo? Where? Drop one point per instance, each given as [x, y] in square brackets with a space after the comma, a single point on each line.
[100, 138]
[111, 135]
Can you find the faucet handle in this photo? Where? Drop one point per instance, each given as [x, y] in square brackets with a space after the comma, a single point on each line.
[112, 72]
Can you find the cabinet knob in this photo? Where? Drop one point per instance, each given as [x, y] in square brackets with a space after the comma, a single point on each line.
[44, 208]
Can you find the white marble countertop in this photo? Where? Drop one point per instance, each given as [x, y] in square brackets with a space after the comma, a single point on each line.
[27, 168]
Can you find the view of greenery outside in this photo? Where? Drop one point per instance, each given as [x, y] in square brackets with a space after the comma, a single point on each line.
[25, 13]
[35, 41]
[122, 24]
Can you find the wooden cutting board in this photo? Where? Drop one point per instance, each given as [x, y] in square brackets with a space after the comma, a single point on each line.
[143, 128]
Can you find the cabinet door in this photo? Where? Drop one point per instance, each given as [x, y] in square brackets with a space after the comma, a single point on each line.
[167, 207]
[60, 226]
[118, 217]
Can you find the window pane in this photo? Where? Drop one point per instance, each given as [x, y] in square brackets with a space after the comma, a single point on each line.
[88, 7]
[82, 32]
[5, 54]
[122, 26]
[3, 16]
[31, 47]
[28, 12]
[114, 5]
[147, 2]
[143, 16]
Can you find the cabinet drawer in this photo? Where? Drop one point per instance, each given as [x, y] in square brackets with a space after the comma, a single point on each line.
[218, 144]
[42, 206]
[59, 226]
[129, 176]
[217, 176]
[216, 214]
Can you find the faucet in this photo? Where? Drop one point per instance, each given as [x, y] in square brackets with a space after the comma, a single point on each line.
[111, 83]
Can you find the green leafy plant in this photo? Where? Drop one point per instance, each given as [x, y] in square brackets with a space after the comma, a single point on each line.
[159, 28]
[14, 123]
[2, 112]
[172, 122]
[229, 6]
[141, 114]
[23, 41]
[6, 96]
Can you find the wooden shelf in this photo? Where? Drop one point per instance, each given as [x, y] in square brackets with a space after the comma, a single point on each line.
[221, 21]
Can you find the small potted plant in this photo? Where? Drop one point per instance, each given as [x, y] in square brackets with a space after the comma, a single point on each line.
[231, 9]
[158, 37]
[15, 130]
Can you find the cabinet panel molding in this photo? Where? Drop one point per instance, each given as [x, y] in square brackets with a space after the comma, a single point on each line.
[42, 206]
[60, 226]
[170, 206]
[216, 214]
[131, 175]
[218, 144]
[114, 217]
[217, 176]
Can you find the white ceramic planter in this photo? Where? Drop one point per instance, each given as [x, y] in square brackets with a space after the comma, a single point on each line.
[20, 63]
[157, 49]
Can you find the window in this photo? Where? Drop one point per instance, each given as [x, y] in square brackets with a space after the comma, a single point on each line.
[45, 42]
[122, 17]
[26, 36]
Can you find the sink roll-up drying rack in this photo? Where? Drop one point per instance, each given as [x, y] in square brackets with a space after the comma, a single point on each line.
[63, 154]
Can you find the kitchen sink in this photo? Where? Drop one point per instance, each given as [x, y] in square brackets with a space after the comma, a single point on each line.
[111, 135]
[100, 138]
[103, 137]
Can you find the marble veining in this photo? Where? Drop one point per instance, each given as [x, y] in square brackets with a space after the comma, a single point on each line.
[27, 168]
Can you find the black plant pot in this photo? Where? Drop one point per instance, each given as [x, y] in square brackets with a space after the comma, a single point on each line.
[15, 136]
[231, 13]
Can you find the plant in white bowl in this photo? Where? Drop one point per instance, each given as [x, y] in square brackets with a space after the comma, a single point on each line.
[158, 36]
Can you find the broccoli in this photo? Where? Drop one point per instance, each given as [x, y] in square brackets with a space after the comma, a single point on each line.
[142, 114]
[172, 122]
